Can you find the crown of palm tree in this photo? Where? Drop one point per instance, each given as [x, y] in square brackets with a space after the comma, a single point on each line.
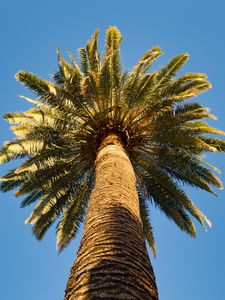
[164, 137]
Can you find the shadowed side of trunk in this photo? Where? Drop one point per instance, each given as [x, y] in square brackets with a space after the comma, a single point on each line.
[112, 261]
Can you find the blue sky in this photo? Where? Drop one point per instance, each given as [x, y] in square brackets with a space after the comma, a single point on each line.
[185, 268]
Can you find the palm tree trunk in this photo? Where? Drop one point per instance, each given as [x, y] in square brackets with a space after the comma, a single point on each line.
[112, 261]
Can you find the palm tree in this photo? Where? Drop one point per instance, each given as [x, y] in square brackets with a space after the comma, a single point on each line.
[103, 143]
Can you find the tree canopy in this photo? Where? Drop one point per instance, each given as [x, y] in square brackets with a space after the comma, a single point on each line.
[162, 129]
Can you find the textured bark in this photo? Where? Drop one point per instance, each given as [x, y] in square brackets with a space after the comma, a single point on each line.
[112, 261]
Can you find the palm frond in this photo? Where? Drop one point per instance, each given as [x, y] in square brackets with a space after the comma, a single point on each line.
[169, 206]
[31, 198]
[92, 53]
[145, 217]
[73, 215]
[148, 59]
[83, 61]
[171, 69]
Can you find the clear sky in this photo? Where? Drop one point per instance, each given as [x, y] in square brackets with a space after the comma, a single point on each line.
[185, 268]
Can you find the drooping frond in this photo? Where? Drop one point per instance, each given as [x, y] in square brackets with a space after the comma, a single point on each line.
[73, 215]
[145, 217]
[164, 134]
[20, 148]
[169, 205]
[167, 183]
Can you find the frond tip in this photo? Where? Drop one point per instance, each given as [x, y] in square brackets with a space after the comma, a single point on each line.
[113, 38]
